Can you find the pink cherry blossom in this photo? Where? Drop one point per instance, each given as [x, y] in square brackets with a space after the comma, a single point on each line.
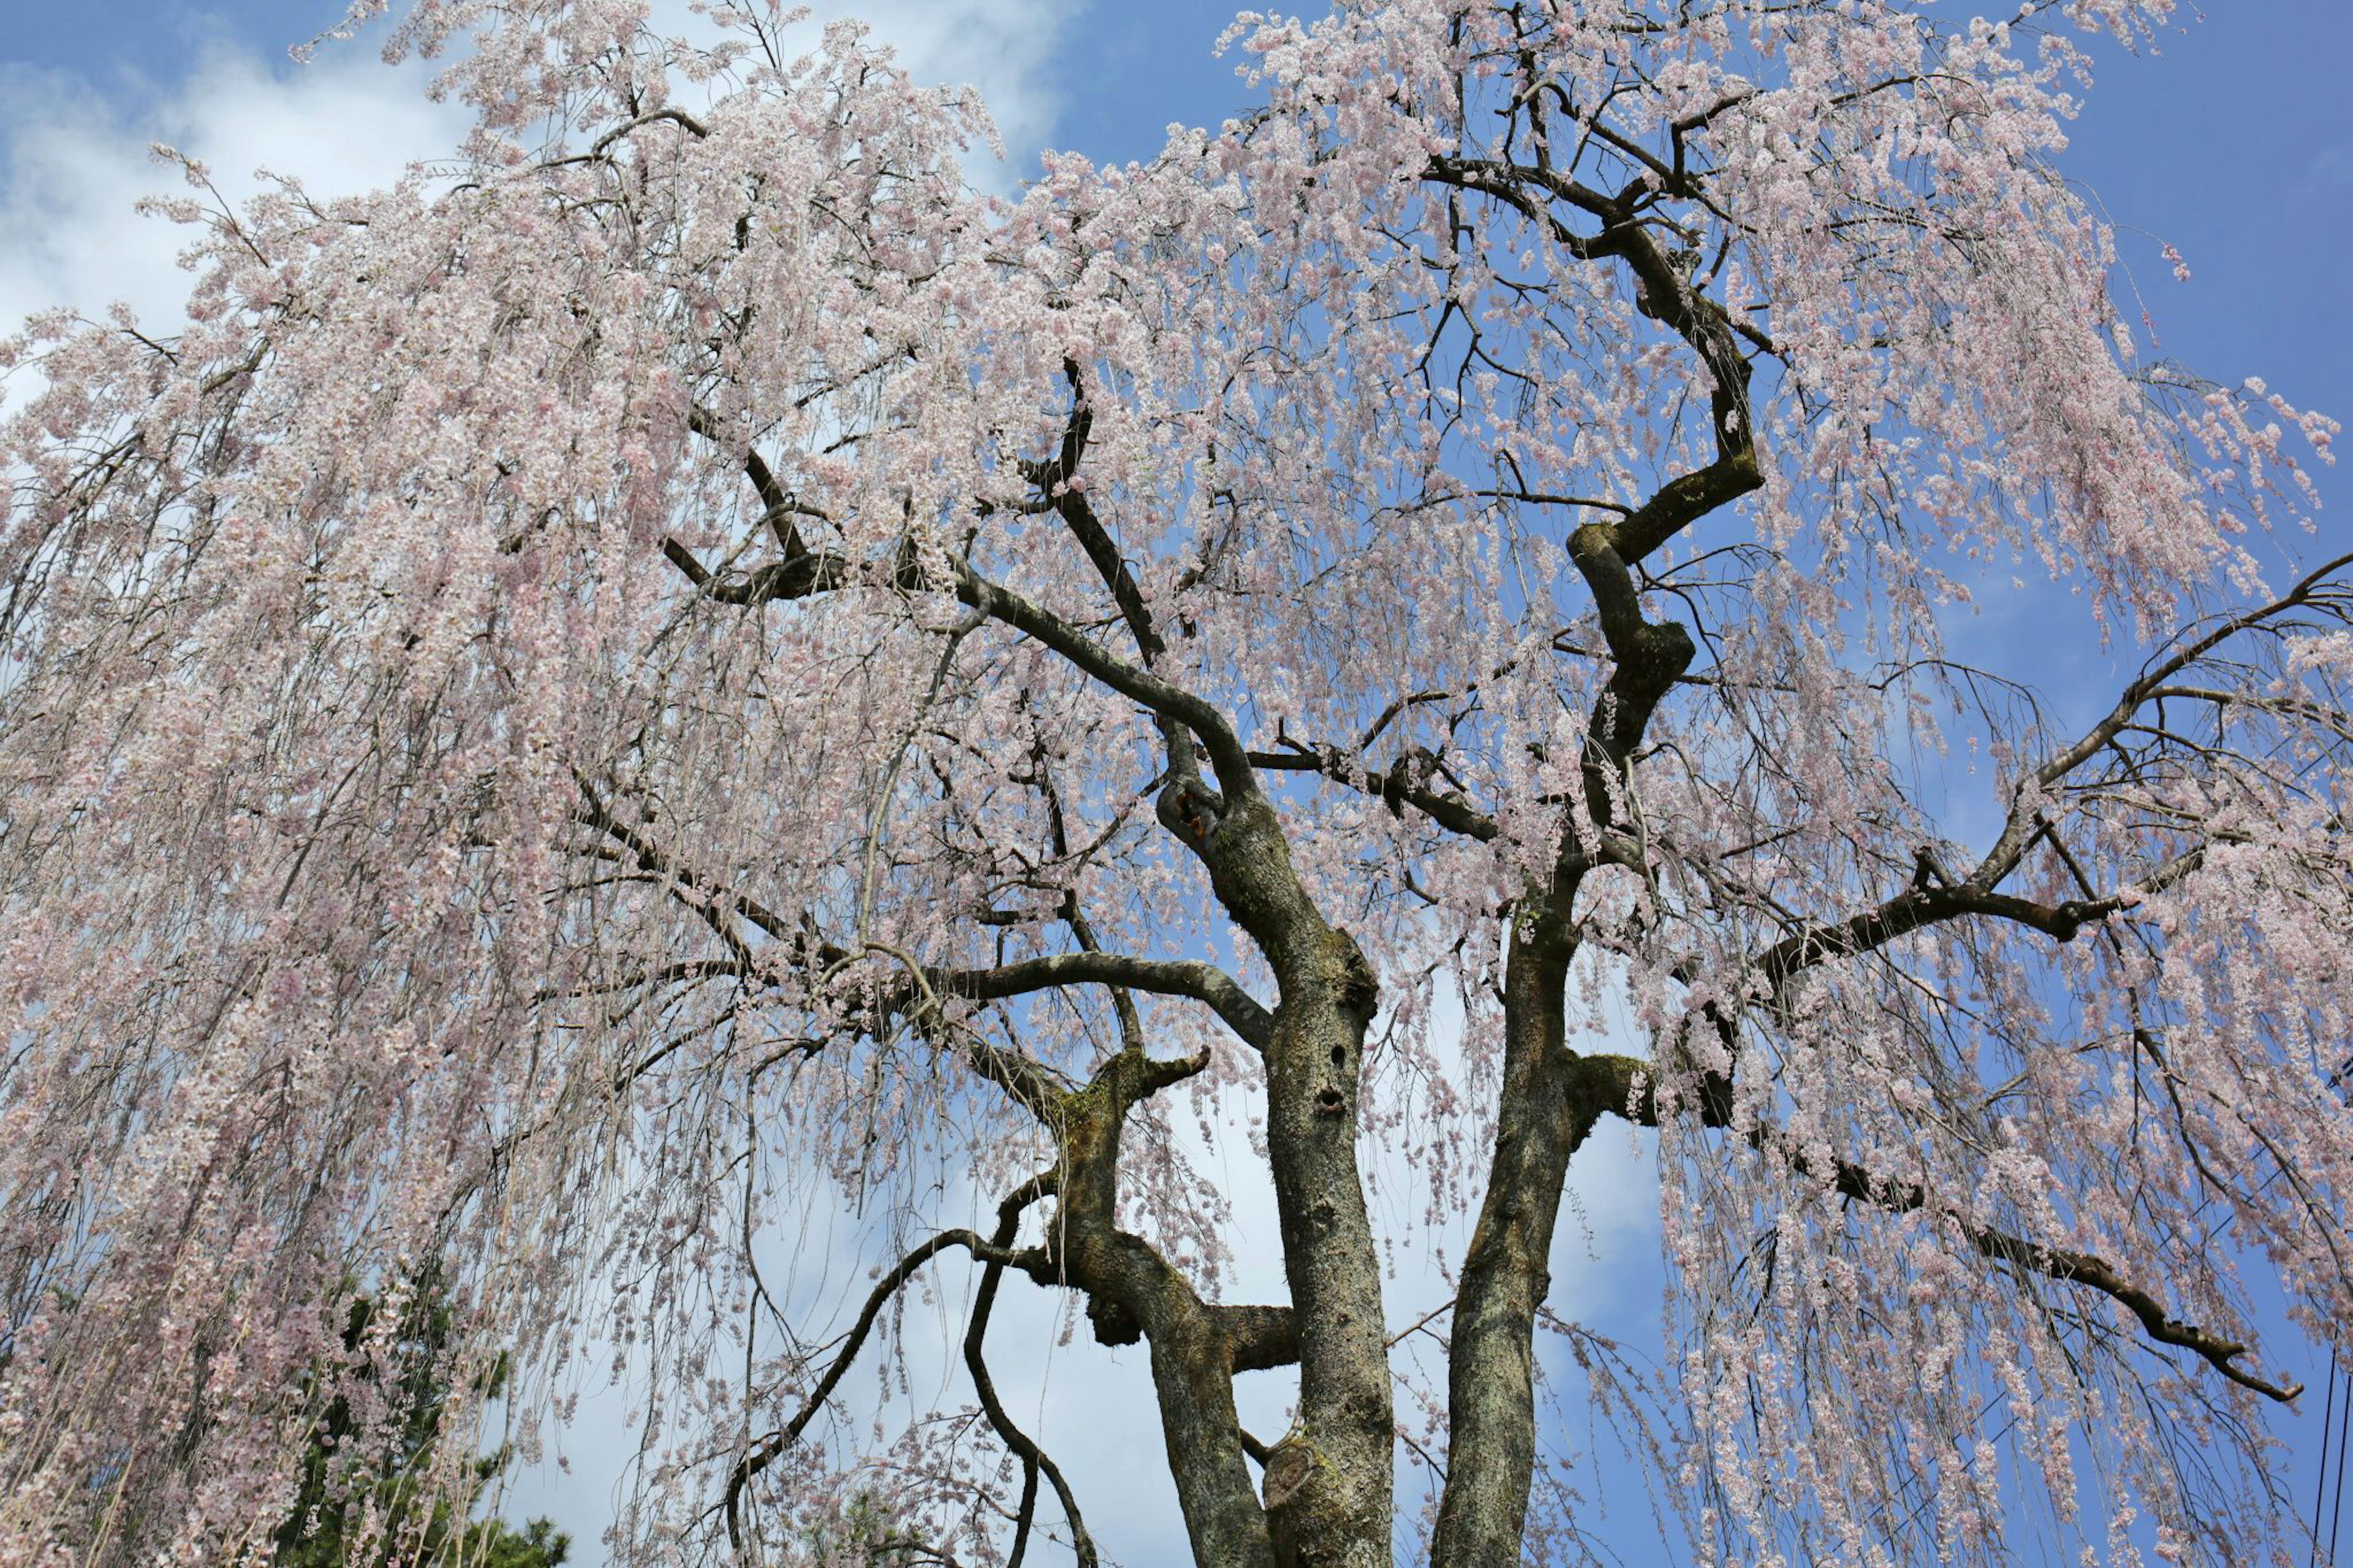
[698, 672]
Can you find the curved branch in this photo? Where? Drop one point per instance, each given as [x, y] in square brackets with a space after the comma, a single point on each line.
[1192, 978]
[653, 858]
[678, 117]
[2062, 1264]
[817, 572]
[1920, 906]
[1397, 787]
[779, 507]
[2025, 826]
[2305, 592]
[1623, 1086]
[1079, 514]
[766, 1452]
[1165, 697]
[1025, 1447]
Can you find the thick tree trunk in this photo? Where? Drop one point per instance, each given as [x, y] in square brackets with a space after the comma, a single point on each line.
[1328, 1485]
[1328, 1488]
[1132, 1291]
[1193, 1373]
[1540, 1121]
[1491, 1393]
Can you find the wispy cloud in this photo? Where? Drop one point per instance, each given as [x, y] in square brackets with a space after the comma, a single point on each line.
[74, 145]
[2328, 173]
[74, 161]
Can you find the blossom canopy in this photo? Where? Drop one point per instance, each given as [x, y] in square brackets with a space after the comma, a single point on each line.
[688, 665]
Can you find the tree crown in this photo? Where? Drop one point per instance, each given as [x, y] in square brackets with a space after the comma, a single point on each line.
[698, 666]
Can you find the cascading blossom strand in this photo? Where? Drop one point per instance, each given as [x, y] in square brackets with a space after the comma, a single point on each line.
[697, 672]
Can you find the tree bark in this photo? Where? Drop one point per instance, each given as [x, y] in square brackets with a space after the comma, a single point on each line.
[1328, 1488]
[1491, 1379]
[1133, 1291]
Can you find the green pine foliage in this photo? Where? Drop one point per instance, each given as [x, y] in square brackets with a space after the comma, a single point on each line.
[329, 1526]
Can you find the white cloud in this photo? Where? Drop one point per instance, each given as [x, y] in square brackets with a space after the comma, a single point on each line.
[1001, 47]
[74, 145]
[76, 161]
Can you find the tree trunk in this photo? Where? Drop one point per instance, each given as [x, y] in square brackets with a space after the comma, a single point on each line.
[1328, 1486]
[1491, 1393]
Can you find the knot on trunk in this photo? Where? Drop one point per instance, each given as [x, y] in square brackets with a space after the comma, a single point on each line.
[1314, 1517]
[1360, 988]
[1190, 810]
[1113, 1323]
[1651, 662]
[1292, 1471]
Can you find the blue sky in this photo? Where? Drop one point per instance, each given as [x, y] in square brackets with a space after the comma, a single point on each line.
[2232, 142]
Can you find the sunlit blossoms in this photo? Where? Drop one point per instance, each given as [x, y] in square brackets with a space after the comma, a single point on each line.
[686, 668]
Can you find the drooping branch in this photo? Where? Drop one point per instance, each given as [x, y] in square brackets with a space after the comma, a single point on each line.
[804, 572]
[2322, 587]
[821, 572]
[1529, 191]
[1626, 1087]
[711, 902]
[1227, 754]
[779, 507]
[768, 1448]
[2065, 1265]
[796, 577]
[678, 117]
[1193, 979]
[1034, 1459]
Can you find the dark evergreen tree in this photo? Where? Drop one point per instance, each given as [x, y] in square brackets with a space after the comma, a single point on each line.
[328, 1526]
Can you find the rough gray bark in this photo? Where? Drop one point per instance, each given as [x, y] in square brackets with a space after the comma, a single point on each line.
[1490, 1390]
[1328, 1489]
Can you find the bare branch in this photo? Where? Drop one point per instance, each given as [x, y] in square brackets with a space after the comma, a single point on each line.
[1193, 978]
[766, 1452]
[1033, 1457]
[2062, 1264]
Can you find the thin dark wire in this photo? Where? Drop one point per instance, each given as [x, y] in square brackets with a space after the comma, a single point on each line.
[2344, 1428]
[2320, 1488]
